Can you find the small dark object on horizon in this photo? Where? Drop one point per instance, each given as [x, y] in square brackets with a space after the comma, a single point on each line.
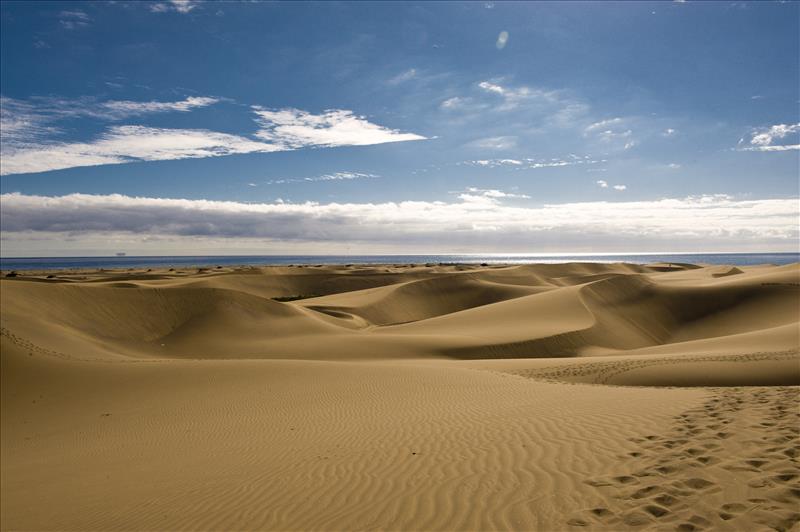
[283, 299]
[11, 274]
[51, 276]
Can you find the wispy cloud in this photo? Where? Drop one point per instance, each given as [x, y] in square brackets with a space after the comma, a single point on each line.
[513, 97]
[336, 176]
[602, 183]
[25, 121]
[487, 195]
[532, 163]
[506, 142]
[764, 139]
[456, 103]
[494, 98]
[123, 109]
[74, 19]
[125, 144]
[179, 6]
[294, 128]
[613, 131]
[480, 216]
[30, 133]
[402, 77]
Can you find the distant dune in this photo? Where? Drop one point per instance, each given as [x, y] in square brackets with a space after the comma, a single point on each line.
[403, 397]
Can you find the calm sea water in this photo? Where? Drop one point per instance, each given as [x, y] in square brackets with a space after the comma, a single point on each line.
[57, 263]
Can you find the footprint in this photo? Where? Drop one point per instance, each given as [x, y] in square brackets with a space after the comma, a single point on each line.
[644, 492]
[637, 518]
[665, 499]
[698, 483]
[655, 510]
[601, 512]
[577, 522]
[734, 507]
[707, 460]
[699, 521]
[785, 477]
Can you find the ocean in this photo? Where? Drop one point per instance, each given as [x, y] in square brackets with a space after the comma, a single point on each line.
[67, 263]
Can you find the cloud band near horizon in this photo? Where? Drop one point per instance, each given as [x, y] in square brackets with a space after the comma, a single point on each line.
[479, 219]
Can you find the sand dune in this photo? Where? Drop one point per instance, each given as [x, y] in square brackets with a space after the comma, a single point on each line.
[549, 397]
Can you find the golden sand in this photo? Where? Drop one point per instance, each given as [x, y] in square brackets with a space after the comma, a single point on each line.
[536, 397]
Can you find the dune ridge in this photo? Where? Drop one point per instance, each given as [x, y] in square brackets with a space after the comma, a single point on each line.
[484, 312]
[402, 397]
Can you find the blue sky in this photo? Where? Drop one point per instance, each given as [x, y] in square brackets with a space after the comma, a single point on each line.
[203, 127]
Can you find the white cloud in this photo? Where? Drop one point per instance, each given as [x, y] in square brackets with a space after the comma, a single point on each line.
[456, 102]
[74, 19]
[669, 132]
[123, 144]
[763, 139]
[30, 121]
[614, 132]
[602, 125]
[30, 134]
[535, 109]
[402, 77]
[492, 87]
[336, 176]
[124, 108]
[492, 163]
[532, 164]
[604, 184]
[294, 128]
[779, 147]
[487, 196]
[475, 221]
[513, 97]
[502, 40]
[495, 143]
[180, 6]
[673, 166]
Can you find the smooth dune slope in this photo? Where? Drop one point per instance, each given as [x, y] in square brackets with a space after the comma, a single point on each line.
[506, 312]
[402, 397]
[258, 445]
